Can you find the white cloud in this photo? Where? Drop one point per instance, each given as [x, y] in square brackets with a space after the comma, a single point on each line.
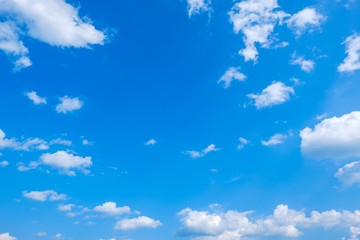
[35, 98]
[66, 162]
[349, 174]
[306, 19]
[43, 196]
[151, 142]
[256, 19]
[198, 6]
[333, 138]
[352, 61]
[306, 65]
[60, 141]
[66, 208]
[51, 21]
[243, 142]
[139, 222]
[6, 236]
[275, 140]
[41, 234]
[230, 75]
[68, 104]
[284, 222]
[109, 208]
[26, 145]
[275, 94]
[4, 163]
[196, 154]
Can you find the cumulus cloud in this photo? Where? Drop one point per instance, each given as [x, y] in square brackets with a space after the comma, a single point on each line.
[4, 163]
[349, 174]
[275, 94]
[352, 61]
[150, 142]
[256, 20]
[198, 6]
[284, 222]
[35, 98]
[333, 138]
[25, 145]
[230, 75]
[275, 140]
[66, 162]
[139, 222]
[306, 65]
[68, 104]
[109, 208]
[306, 19]
[54, 22]
[196, 154]
[6, 236]
[42, 196]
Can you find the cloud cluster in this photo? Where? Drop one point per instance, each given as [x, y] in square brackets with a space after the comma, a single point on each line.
[25, 145]
[333, 138]
[198, 6]
[275, 94]
[42, 196]
[196, 154]
[284, 222]
[306, 65]
[54, 22]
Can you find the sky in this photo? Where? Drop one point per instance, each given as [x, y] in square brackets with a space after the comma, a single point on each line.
[179, 119]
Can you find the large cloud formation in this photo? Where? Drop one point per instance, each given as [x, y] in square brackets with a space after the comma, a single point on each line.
[333, 138]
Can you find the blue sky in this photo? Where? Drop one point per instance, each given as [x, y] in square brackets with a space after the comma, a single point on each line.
[179, 119]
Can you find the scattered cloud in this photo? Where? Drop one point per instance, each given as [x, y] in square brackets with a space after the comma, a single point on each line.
[352, 61]
[26, 145]
[230, 75]
[243, 142]
[198, 6]
[306, 19]
[57, 24]
[68, 105]
[6, 236]
[275, 140]
[306, 65]
[275, 94]
[349, 174]
[196, 154]
[139, 222]
[284, 222]
[151, 142]
[65, 162]
[37, 100]
[42, 196]
[333, 138]
[109, 208]
[4, 163]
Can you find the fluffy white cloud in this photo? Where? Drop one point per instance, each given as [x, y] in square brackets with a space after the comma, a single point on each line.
[196, 154]
[306, 65]
[139, 222]
[256, 20]
[66, 162]
[230, 75]
[243, 142]
[275, 140]
[51, 21]
[150, 142]
[109, 208]
[4, 163]
[275, 94]
[43, 196]
[333, 138]
[35, 98]
[306, 19]
[68, 104]
[352, 61]
[6, 236]
[26, 145]
[349, 174]
[284, 222]
[197, 6]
